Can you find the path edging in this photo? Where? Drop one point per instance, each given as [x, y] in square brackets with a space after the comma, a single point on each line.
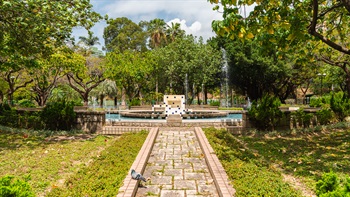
[130, 185]
[217, 171]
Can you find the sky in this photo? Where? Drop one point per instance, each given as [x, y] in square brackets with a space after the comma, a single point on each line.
[195, 16]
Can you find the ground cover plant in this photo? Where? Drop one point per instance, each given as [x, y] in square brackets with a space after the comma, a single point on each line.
[305, 155]
[251, 176]
[67, 165]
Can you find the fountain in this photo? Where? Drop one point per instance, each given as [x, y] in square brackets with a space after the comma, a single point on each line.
[172, 105]
[225, 81]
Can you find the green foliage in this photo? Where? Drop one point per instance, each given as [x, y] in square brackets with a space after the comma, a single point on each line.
[42, 25]
[251, 176]
[105, 175]
[302, 117]
[265, 114]
[11, 187]
[324, 116]
[340, 104]
[329, 186]
[214, 103]
[135, 102]
[8, 115]
[323, 101]
[26, 103]
[59, 115]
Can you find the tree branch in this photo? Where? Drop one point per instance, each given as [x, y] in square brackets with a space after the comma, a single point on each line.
[312, 31]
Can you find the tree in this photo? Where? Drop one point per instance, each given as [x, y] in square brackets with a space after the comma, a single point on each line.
[123, 34]
[33, 27]
[86, 74]
[88, 43]
[131, 70]
[156, 28]
[320, 25]
[174, 31]
[106, 88]
[191, 61]
[16, 79]
[45, 77]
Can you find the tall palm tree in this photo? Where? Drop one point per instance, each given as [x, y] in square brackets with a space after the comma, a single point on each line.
[174, 31]
[89, 42]
[157, 30]
[106, 88]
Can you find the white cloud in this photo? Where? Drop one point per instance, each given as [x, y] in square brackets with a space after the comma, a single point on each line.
[194, 28]
[195, 16]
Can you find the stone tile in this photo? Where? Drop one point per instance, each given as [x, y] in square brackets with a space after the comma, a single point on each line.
[184, 184]
[148, 190]
[171, 157]
[161, 180]
[194, 176]
[173, 172]
[172, 193]
[182, 165]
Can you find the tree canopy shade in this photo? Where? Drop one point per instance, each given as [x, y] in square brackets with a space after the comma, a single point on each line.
[32, 27]
[316, 27]
[123, 34]
[131, 69]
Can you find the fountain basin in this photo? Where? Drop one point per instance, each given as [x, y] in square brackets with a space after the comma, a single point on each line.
[149, 114]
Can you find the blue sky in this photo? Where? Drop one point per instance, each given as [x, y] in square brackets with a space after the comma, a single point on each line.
[195, 16]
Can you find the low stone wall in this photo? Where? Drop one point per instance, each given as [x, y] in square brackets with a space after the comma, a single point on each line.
[222, 124]
[90, 121]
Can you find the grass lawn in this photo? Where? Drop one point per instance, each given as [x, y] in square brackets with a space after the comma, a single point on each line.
[69, 165]
[269, 161]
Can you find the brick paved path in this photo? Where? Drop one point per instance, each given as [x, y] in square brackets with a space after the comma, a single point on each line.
[177, 167]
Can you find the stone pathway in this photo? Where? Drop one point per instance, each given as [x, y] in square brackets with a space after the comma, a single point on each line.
[177, 167]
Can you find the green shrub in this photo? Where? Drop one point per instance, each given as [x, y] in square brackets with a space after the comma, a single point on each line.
[8, 116]
[340, 104]
[324, 116]
[265, 114]
[302, 117]
[214, 103]
[26, 103]
[135, 102]
[323, 101]
[10, 187]
[329, 186]
[59, 115]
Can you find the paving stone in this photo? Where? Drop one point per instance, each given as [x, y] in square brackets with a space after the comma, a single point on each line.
[184, 184]
[172, 193]
[173, 172]
[171, 157]
[148, 190]
[162, 180]
[177, 167]
[194, 176]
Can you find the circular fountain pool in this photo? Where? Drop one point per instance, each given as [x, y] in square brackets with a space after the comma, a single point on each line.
[160, 115]
[149, 115]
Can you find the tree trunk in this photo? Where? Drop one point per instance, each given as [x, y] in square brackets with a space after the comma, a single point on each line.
[347, 81]
[101, 100]
[115, 102]
[123, 97]
[205, 96]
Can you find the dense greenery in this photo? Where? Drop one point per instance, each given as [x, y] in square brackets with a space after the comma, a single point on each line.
[305, 155]
[250, 175]
[17, 188]
[313, 32]
[330, 186]
[55, 161]
[54, 116]
[265, 113]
